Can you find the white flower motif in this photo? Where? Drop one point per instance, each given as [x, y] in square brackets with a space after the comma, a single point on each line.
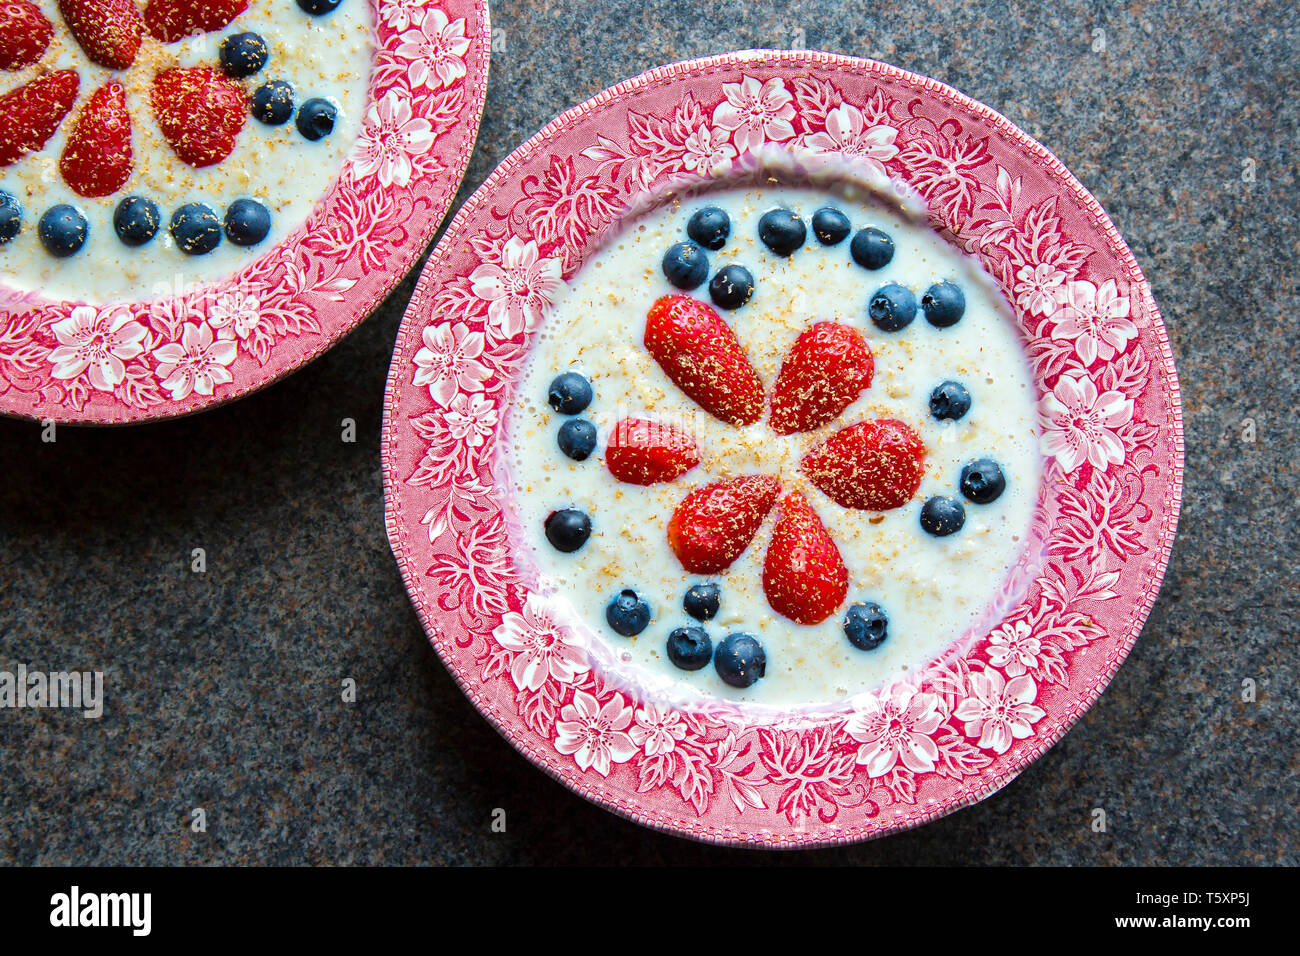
[390, 138]
[1038, 288]
[471, 419]
[234, 314]
[543, 650]
[435, 50]
[1081, 423]
[1096, 319]
[707, 149]
[98, 342]
[400, 14]
[448, 363]
[519, 290]
[657, 730]
[197, 364]
[999, 712]
[595, 735]
[755, 112]
[895, 727]
[1014, 649]
[847, 132]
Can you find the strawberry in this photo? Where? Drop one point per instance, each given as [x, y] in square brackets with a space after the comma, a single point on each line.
[200, 112]
[804, 577]
[172, 20]
[699, 352]
[643, 452]
[109, 31]
[30, 114]
[96, 158]
[714, 524]
[871, 466]
[25, 34]
[828, 367]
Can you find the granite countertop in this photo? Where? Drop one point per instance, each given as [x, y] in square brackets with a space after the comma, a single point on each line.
[224, 687]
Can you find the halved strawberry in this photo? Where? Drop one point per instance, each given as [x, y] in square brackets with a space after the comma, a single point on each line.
[109, 31]
[699, 352]
[828, 367]
[96, 158]
[25, 34]
[30, 114]
[714, 524]
[172, 20]
[804, 577]
[643, 452]
[200, 113]
[871, 466]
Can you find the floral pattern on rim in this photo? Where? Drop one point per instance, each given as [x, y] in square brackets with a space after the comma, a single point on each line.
[903, 754]
[293, 302]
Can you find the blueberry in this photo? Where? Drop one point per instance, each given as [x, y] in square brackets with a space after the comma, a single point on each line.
[242, 54]
[944, 303]
[830, 226]
[569, 393]
[949, 401]
[702, 601]
[740, 660]
[872, 248]
[686, 265]
[982, 481]
[577, 438]
[731, 287]
[316, 118]
[942, 515]
[273, 103]
[196, 229]
[866, 626]
[136, 220]
[892, 307]
[247, 222]
[782, 231]
[710, 227]
[318, 7]
[567, 529]
[690, 648]
[62, 230]
[11, 217]
[628, 613]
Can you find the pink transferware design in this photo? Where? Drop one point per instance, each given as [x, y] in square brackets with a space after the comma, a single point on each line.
[126, 362]
[882, 761]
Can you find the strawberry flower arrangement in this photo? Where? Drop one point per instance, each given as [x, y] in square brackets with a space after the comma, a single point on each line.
[199, 110]
[869, 465]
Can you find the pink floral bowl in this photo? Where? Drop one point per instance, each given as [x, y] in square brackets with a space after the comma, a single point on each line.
[882, 761]
[70, 361]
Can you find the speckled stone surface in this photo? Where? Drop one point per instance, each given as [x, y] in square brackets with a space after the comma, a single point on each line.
[224, 687]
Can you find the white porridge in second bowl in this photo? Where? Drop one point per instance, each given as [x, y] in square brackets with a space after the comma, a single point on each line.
[774, 445]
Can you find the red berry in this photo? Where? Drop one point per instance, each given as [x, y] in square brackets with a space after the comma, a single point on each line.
[96, 158]
[25, 34]
[699, 352]
[30, 114]
[804, 577]
[714, 524]
[200, 113]
[643, 452]
[172, 20]
[109, 31]
[871, 466]
[828, 367]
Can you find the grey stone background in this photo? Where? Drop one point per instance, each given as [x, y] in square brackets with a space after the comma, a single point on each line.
[223, 688]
